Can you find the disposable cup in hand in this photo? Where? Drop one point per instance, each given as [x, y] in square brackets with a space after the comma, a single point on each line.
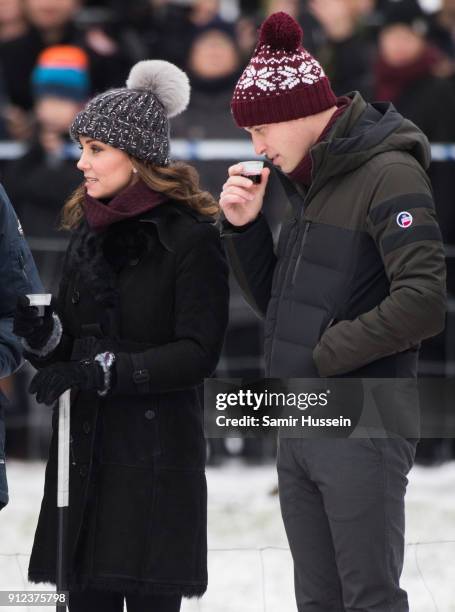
[40, 299]
[252, 170]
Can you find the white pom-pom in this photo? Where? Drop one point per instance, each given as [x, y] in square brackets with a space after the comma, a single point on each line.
[170, 84]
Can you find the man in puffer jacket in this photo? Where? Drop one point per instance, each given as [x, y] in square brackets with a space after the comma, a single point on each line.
[18, 275]
[356, 282]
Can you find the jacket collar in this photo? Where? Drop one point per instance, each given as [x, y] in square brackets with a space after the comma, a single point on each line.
[164, 216]
[343, 126]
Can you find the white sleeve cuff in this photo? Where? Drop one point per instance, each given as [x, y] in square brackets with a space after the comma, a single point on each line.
[53, 340]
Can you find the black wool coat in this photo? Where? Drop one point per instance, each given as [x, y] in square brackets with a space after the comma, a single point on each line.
[154, 290]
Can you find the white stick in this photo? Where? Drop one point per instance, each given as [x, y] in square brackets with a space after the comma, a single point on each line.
[63, 450]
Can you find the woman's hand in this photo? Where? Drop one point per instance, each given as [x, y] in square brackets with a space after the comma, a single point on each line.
[50, 382]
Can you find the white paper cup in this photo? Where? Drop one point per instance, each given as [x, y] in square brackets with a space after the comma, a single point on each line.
[252, 170]
[41, 300]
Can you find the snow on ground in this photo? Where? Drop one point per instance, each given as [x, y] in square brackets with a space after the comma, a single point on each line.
[250, 568]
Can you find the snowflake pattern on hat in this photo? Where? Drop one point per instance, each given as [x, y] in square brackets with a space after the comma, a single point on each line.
[262, 78]
[275, 75]
[287, 76]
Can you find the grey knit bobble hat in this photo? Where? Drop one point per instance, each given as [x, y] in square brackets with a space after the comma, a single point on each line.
[135, 118]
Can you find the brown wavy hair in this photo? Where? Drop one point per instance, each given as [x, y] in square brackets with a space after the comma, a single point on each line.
[179, 181]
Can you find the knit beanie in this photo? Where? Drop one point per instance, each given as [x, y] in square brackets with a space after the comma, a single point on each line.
[135, 118]
[405, 12]
[62, 71]
[283, 81]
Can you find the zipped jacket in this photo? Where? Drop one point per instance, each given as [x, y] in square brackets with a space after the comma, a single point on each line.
[18, 275]
[357, 279]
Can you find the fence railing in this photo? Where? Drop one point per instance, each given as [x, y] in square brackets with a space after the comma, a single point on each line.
[261, 589]
[206, 150]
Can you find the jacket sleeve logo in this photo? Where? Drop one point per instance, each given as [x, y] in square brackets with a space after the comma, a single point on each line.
[404, 219]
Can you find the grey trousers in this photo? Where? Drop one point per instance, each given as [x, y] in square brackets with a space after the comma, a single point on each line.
[342, 502]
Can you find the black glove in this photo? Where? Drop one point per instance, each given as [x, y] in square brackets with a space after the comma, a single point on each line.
[30, 325]
[49, 383]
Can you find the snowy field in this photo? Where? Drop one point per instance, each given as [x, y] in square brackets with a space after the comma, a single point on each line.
[250, 568]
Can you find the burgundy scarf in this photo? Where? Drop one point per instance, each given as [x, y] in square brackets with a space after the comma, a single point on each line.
[391, 81]
[302, 173]
[132, 201]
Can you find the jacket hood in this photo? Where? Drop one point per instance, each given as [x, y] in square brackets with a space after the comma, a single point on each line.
[366, 130]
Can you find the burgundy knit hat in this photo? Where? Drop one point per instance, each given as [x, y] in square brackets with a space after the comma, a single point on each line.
[282, 81]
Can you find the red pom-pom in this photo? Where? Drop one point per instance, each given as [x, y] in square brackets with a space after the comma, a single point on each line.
[281, 31]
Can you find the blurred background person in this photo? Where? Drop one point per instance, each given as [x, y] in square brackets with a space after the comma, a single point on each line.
[12, 20]
[442, 28]
[13, 24]
[213, 67]
[46, 175]
[342, 38]
[54, 22]
[251, 16]
[291, 7]
[168, 27]
[204, 12]
[410, 72]
[39, 181]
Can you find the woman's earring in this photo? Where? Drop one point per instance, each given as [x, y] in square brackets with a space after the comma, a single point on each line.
[134, 170]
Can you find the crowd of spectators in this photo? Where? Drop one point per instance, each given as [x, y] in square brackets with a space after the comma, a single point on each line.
[55, 54]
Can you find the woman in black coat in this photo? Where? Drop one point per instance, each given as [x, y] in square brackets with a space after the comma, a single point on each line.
[139, 323]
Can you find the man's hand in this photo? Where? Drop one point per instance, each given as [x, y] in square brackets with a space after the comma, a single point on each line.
[241, 200]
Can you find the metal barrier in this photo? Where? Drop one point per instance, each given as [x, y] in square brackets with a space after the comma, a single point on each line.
[206, 150]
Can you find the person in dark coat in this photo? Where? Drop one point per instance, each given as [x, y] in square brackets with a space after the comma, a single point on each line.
[18, 275]
[354, 284]
[139, 323]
